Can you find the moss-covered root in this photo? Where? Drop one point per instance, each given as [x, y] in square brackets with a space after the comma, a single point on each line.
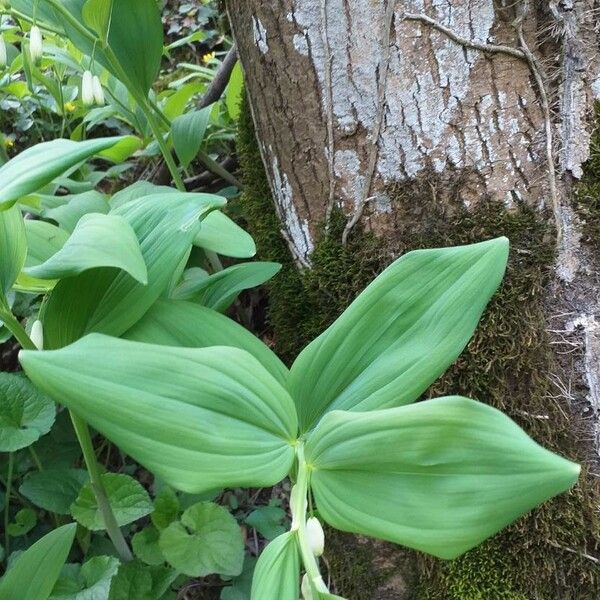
[507, 364]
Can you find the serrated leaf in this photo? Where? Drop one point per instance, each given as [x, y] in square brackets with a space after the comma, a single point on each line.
[439, 476]
[207, 540]
[178, 323]
[188, 134]
[128, 499]
[219, 291]
[181, 398]
[35, 572]
[218, 233]
[97, 241]
[33, 168]
[13, 248]
[109, 301]
[277, 573]
[25, 413]
[401, 333]
[145, 546]
[54, 489]
[133, 581]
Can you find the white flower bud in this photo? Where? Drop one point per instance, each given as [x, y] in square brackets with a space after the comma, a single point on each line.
[3, 53]
[36, 47]
[305, 588]
[87, 88]
[315, 536]
[98, 91]
[37, 335]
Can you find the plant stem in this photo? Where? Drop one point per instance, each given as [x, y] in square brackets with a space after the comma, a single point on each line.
[36, 459]
[11, 463]
[112, 528]
[300, 492]
[16, 328]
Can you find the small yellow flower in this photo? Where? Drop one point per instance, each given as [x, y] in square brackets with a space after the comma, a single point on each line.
[70, 106]
[206, 58]
[8, 142]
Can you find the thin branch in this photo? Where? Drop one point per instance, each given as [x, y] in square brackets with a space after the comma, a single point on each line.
[374, 150]
[221, 79]
[464, 41]
[329, 116]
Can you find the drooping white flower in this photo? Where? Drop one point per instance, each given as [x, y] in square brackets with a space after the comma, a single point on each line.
[36, 45]
[98, 91]
[3, 53]
[87, 88]
[37, 334]
[315, 536]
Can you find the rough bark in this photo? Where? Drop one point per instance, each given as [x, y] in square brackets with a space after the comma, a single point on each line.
[477, 99]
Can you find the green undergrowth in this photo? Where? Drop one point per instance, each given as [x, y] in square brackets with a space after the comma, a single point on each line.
[507, 364]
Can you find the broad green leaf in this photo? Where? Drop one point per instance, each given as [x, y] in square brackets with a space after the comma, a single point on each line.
[219, 291]
[110, 301]
[97, 241]
[220, 234]
[54, 489]
[35, 572]
[267, 520]
[90, 582]
[25, 413]
[73, 208]
[43, 241]
[13, 249]
[145, 546]
[277, 573]
[33, 168]
[135, 38]
[440, 476]
[122, 150]
[188, 134]
[137, 190]
[166, 508]
[241, 585]
[128, 499]
[176, 103]
[401, 333]
[234, 91]
[207, 540]
[179, 323]
[97, 15]
[200, 419]
[25, 521]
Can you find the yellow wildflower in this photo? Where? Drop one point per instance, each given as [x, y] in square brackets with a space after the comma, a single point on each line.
[69, 106]
[8, 142]
[206, 58]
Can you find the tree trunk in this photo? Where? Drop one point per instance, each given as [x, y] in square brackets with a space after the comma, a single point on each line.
[415, 115]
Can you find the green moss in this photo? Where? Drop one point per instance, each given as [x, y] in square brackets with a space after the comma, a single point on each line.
[507, 364]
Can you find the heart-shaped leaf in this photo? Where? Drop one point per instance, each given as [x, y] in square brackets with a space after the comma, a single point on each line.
[54, 489]
[403, 331]
[206, 540]
[200, 419]
[128, 499]
[25, 413]
[439, 476]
